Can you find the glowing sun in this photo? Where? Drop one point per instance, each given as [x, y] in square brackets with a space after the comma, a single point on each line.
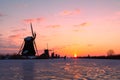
[75, 55]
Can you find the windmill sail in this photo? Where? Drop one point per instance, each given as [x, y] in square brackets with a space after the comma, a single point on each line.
[36, 48]
[21, 48]
[31, 29]
[34, 36]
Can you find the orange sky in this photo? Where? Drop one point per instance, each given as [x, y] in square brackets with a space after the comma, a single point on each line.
[68, 26]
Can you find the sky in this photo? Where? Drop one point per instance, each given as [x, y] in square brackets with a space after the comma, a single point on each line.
[69, 27]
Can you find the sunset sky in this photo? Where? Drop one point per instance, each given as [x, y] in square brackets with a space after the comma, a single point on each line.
[69, 27]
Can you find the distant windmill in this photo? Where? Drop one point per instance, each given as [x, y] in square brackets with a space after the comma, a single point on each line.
[29, 47]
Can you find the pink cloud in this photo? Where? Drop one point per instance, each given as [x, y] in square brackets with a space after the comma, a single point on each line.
[28, 20]
[18, 30]
[10, 42]
[76, 30]
[15, 37]
[53, 26]
[69, 12]
[78, 26]
[82, 24]
[1, 34]
[90, 45]
[1, 15]
[40, 19]
[118, 13]
[114, 17]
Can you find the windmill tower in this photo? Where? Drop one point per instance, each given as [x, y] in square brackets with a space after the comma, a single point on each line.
[46, 52]
[28, 47]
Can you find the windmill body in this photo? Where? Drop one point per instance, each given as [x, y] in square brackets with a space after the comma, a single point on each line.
[28, 49]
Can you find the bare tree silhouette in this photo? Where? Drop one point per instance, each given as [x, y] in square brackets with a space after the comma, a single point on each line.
[110, 52]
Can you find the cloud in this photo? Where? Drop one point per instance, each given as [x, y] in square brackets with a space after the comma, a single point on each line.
[76, 30]
[77, 27]
[118, 13]
[90, 45]
[69, 12]
[7, 43]
[17, 30]
[1, 15]
[53, 26]
[28, 20]
[10, 46]
[15, 37]
[82, 24]
[40, 19]
[117, 16]
[114, 17]
[1, 34]
[10, 43]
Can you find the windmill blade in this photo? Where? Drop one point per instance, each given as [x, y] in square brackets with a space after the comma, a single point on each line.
[21, 48]
[32, 29]
[34, 35]
[36, 47]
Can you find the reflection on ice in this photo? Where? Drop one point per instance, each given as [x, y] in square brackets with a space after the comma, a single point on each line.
[70, 69]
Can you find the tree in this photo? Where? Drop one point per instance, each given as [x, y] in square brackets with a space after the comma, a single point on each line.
[110, 52]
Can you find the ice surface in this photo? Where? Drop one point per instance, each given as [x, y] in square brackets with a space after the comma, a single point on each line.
[60, 69]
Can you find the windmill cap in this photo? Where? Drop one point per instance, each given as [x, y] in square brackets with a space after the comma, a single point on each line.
[28, 38]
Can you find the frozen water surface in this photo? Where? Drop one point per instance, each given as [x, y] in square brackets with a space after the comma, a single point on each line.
[60, 69]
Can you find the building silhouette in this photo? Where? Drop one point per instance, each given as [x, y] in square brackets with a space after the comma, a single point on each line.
[28, 47]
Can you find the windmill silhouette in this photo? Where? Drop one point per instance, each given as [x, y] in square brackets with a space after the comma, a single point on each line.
[28, 47]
